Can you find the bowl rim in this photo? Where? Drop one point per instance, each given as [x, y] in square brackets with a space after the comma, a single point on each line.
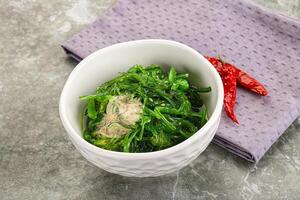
[82, 142]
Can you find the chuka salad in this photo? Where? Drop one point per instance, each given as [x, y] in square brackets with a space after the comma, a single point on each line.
[143, 110]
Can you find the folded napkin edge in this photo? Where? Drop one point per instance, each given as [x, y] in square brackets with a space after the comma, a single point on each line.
[233, 148]
[70, 53]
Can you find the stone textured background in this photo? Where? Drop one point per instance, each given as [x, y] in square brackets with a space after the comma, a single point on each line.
[37, 160]
[287, 7]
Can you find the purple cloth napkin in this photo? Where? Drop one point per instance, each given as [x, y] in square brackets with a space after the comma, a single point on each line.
[264, 44]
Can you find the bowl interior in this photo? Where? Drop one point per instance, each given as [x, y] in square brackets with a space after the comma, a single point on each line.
[106, 63]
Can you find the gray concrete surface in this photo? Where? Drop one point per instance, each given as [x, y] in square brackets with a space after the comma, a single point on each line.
[37, 161]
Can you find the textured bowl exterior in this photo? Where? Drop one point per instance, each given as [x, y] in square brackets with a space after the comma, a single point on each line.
[141, 164]
[144, 167]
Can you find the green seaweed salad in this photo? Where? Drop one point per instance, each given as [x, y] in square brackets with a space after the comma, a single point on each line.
[143, 110]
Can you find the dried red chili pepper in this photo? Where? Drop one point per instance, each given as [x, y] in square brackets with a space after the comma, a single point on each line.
[243, 79]
[229, 76]
[232, 75]
[249, 82]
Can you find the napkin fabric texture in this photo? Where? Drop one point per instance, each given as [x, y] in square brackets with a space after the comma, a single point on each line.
[262, 43]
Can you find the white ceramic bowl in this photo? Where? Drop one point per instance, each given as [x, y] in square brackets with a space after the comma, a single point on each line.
[104, 65]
